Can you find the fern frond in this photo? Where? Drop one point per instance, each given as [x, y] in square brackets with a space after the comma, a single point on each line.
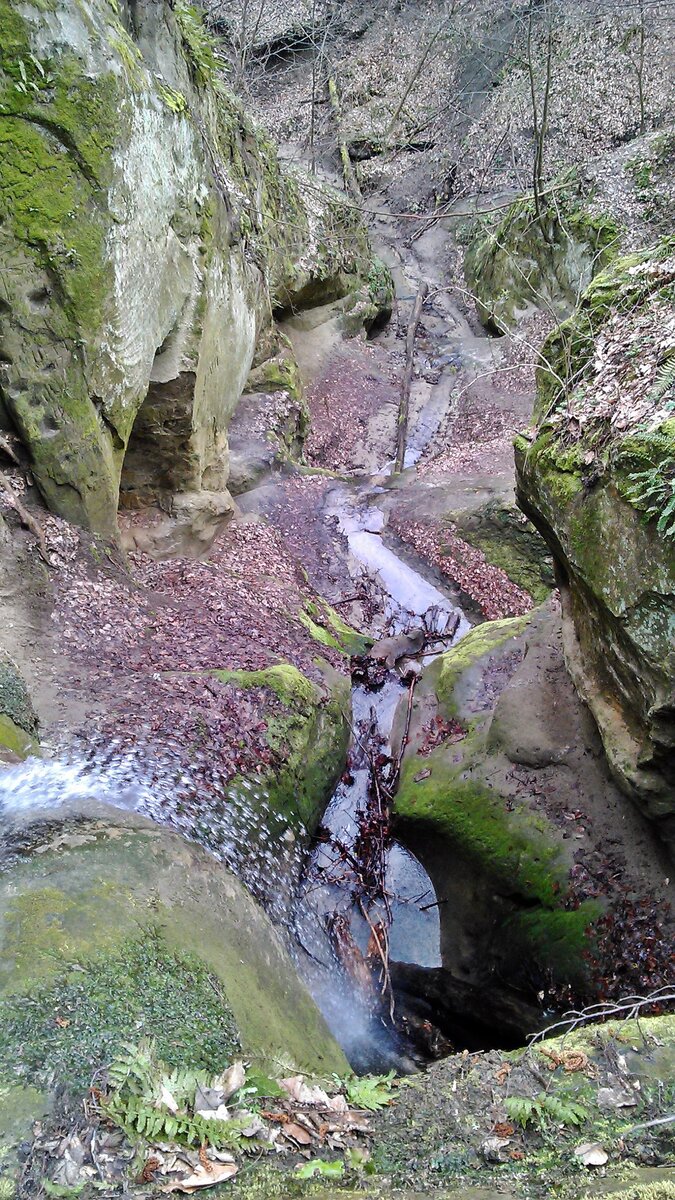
[565, 1112]
[665, 377]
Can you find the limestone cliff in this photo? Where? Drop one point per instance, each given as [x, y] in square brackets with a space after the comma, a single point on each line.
[147, 234]
[598, 481]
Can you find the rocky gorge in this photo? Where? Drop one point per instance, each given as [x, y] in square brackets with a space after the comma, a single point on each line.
[327, 780]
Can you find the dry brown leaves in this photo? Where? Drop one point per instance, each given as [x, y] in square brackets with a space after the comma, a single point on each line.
[571, 1061]
[467, 567]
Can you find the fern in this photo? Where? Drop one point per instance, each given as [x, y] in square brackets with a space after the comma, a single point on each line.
[174, 100]
[525, 1110]
[521, 1109]
[135, 1070]
[139, 1081]
[200, 45]
[371, 1092]
[564, 1112]
[653, 491]
[665, 377]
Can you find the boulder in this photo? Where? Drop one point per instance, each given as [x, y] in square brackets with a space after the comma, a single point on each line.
[596, 478]
[507, 800]
[497, 861]
[522, 264]
[119, 931]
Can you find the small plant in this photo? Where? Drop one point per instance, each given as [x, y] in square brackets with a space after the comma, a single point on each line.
[531, 1110]
[641, 173]
[665, 377]
[371, 1092]
[653, 491]
[35, 82]
[173, 99]
[319, 1166]
[147, 1099]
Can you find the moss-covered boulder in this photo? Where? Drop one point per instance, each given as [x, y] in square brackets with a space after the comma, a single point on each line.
[307, 735]
[497, 862]
[147, 232]
[535, 855]
[598, 480]
[112, 930]
[18, 719]
[527, 261]
[618, 1074]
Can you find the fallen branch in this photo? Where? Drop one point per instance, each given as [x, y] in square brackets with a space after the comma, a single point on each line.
[404, 406]
[625, 1008]
[25, 518]
[404, 740]
[8, 449]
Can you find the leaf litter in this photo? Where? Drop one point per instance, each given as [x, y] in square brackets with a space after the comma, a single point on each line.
[194, 1131]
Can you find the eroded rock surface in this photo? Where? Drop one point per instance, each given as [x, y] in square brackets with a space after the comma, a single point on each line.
[597, 481]
[148, 233]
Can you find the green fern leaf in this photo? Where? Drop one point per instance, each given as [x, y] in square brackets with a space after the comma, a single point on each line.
[665, 377]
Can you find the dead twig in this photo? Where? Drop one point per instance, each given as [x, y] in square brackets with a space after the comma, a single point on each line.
[25, 518]
[8, 449]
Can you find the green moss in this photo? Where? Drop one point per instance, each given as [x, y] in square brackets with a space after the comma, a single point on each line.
[15, 739]
[328, 629]
[467, 654]
[176, 103]
[509, 542]
[285, 680]
[307, 733]
[279, 373]
[199, 44]
[506, 846]
[556, 936]
[145, 923]
[73, 1024]
[620, 288]
[524, 259]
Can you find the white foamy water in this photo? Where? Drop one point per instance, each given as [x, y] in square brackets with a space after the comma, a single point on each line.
[408, 594]
[233, 821]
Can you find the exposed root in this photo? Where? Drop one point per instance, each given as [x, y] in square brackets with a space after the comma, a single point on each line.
[24, 516]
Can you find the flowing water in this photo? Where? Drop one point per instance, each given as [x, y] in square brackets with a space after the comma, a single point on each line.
[237, 824]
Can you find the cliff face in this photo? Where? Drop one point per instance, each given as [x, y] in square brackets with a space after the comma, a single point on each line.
[598, 480]
[147, 233]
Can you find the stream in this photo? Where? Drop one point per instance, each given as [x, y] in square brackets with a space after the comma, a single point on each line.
[234, 830]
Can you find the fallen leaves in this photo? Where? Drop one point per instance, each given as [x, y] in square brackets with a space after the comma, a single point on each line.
[202, 1177]
[591, 1154]
[570, 1061]
[464, 565]
[503, 1073]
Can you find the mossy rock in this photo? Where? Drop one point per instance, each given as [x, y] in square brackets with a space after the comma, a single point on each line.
[490, 852]
[308, 735]
[509, 541]
[436, 1127]
[106, 143]
[328, 629]
[576, 480]
[525, 261]
[18, 719]
[456, 675]
[112, 930]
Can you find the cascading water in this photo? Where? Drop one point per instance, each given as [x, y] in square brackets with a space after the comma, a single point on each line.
[238, 826]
